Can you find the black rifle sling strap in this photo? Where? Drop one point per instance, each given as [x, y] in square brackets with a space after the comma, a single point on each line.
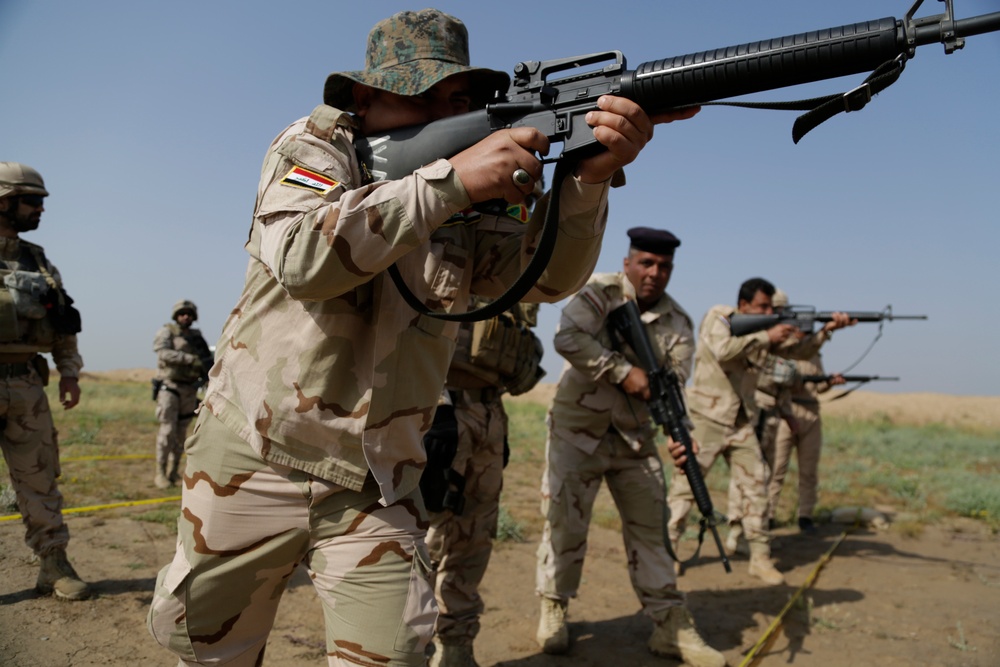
[532, 272]
[821, 109]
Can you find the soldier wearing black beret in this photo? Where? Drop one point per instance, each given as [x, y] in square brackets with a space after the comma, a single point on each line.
[657, 241]
[600, 431]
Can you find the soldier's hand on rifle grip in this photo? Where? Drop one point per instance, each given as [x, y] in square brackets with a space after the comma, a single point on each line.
[624, 129]
[677, 453]
[486, 169]
[839, 321]
[636, 383]
[779, 333]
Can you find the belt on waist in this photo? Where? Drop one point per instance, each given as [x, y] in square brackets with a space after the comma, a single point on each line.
[480, 395]
[14, 370]
[808, 402]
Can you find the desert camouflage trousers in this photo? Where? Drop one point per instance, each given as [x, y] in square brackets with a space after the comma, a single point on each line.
[807, 443]
[244, 527]
[460, 546]
[570, 484]
[175, 405]
[748, 474]
[31, 450]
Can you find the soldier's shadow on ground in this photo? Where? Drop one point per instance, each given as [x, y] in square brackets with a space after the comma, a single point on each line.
[797, 550]
[722, 618]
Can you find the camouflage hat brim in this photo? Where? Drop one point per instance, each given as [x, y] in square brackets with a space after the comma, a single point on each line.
[413, 78]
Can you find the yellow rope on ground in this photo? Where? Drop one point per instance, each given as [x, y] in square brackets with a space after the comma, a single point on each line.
[753, 657]
[107, 458]
[92, 508]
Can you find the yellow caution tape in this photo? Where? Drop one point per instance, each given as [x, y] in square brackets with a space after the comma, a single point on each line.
[752, 658]
[93, 508]
[107, 458]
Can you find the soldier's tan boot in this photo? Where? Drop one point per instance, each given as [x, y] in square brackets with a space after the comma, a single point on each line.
[58, 577]
[452, 655]
[761, 565]
[173, 463]
[674, 636]
[161, 481]
[553, 635]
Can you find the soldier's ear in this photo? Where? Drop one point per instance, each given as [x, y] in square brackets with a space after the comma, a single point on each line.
[362, 98]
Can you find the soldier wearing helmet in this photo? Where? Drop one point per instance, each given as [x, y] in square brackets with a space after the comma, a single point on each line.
[36, 318]
[182, 360]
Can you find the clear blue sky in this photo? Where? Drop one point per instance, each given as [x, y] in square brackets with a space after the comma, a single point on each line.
[149, 122]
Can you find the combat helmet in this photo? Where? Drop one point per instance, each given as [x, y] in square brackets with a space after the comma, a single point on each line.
[780, 299]
[184, 304]
[20, 179]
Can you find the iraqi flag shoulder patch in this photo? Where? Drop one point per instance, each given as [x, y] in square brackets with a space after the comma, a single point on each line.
[298, 177]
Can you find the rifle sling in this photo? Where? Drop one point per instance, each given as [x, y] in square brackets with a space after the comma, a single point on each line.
[520, 287]
[821, 109]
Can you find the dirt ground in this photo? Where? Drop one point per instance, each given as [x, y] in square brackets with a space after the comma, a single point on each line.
[883, 598]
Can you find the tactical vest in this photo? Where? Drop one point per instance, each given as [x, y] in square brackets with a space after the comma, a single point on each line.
[189, 342]
[28, 296]
[506, 345]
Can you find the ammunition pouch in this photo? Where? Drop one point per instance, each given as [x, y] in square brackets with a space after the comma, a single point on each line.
[9, 329]
[781, 371]
[507, 347]
[27, 290]
[65, 318]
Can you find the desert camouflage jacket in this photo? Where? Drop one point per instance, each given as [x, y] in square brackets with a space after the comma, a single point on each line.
[588, 401]
[322, 366]
[177, 353]
[39, 337]
[726, 367]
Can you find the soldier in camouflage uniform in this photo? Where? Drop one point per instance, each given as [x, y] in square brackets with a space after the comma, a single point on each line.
[801, 429]
[308, 447]
[774, 402]
[36, 317]
[600, 429]
[182, 362]
[724, 415]
[467, 451]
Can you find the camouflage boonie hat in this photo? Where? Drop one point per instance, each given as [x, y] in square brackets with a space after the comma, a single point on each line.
[408, 53]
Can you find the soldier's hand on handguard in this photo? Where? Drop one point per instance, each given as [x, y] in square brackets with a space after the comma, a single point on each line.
[624, 129]
[836, 379]
[839, 321]
[69, 392]
[636, 384]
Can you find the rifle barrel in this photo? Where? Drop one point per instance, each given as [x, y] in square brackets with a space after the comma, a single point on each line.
[974, 25]
[849, 378]
[754, 67]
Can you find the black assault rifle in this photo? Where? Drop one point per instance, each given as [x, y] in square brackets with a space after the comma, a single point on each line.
[666, 406]
[848, 378]
[558, 106]
[554, 97]
[804, 317]
[859, 379]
